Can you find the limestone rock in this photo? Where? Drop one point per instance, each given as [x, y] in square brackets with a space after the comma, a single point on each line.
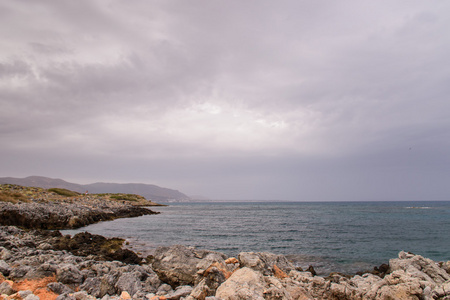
[92, 285]
[69, 274]
[180, 265]
[6, 288]
[428, 268]
[129, 282]
[244, 284]
[264, 262]
[181, 291]
[59, 288]
[4, 268]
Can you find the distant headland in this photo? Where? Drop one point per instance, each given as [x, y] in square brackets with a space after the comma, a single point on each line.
[149, 191]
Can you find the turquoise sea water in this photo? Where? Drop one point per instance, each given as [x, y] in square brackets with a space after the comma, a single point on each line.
[332, 236]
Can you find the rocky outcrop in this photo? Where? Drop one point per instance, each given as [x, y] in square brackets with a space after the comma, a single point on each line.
[64, 215]
[32, 266]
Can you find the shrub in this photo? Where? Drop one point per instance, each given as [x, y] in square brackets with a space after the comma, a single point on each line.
[13, 197]
[64, 192]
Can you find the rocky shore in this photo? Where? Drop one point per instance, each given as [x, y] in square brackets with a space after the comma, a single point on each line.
[44, 264]
[39, 264]
[44, 209]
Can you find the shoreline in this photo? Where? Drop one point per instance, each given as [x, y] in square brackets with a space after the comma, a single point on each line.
[50, 265]
[38, 263]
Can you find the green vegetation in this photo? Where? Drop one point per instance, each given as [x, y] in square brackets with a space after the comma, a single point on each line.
[124, 197]
[13, 197]
[64, 192]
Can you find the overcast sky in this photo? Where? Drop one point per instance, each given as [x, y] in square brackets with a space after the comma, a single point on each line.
[287, 100]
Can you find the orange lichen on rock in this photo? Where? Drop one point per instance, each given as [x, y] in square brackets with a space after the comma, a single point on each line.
[278, 272]
[38, 287]
[221, 267]
[232, 260]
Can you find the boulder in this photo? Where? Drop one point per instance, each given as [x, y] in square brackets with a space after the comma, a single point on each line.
[265, 262]
[129, 282]
[59, 288]
[424, 267]
[44, 270]
[6, 288]
[69, 274]
[243, 284]
[181, 291]
[180, 265]
[4, 268]
[92, 286]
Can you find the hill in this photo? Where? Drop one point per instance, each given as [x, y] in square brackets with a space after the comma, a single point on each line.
[149, 191]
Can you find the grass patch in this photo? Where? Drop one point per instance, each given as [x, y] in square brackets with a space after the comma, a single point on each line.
[13, 197]
[123, 197]
[64, 192]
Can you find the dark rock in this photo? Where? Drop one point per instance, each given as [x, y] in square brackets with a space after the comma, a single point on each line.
[107, 284]
[85, 244]
[59, 288]
[4, 268]
[93, 287]
[311, 269]
[181, 291]
[69, 274]
[6, 289]
[61, 215]
[44, 270]
[20, 272]
[129, 282]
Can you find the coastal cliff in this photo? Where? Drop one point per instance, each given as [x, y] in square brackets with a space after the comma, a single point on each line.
[44, 264]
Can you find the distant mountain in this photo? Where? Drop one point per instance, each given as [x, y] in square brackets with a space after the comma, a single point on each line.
[149, 191]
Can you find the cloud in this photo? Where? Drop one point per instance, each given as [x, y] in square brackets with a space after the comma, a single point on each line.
[253, 100]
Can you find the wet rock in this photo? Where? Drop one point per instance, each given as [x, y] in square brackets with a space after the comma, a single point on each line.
[86, 244]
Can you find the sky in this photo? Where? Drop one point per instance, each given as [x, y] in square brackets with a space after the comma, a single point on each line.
[233, 100]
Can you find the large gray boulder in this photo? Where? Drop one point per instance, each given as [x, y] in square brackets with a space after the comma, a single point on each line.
[244, 284]
[129, 282]
[423, 268]
[180, 265]
[264, 262]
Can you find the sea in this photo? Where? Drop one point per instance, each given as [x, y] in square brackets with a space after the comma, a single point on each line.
[345, 237]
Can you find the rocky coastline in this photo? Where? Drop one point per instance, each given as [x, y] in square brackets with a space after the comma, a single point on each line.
[37, 208]
[38, 263]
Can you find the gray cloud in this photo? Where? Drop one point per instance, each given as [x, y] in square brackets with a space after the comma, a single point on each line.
[293, 100]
